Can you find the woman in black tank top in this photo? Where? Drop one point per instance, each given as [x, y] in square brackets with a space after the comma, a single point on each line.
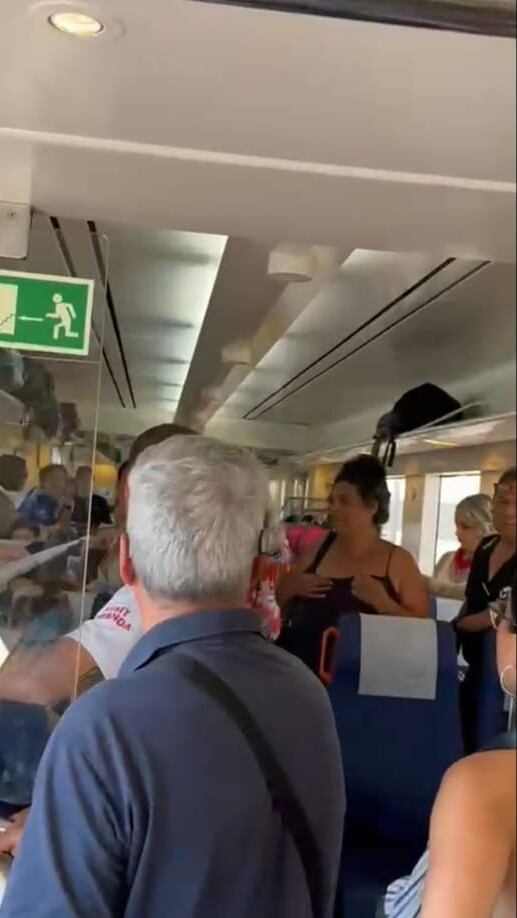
[353, 569]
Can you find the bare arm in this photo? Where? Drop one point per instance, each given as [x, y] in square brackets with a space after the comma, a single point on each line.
[48, 675]
[478, 621]
[412, 588]
[441, 585]
[444, 590]
[469, 847]
[408, 582]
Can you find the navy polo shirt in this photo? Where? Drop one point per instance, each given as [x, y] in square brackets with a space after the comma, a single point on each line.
[149, 803]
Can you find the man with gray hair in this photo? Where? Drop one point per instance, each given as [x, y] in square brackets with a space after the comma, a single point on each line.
[205, 781]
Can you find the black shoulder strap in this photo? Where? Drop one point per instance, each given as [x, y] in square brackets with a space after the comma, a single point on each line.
[390, 558]
[320, 554]
[284, 799]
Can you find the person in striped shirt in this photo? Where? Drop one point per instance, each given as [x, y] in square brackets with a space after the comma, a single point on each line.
[469, 868]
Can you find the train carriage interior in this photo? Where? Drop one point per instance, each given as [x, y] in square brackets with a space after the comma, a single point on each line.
[265, 223]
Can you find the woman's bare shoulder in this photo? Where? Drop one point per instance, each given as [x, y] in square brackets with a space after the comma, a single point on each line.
[400, 558]
[476, 767]
[472, 837]
[481, 787]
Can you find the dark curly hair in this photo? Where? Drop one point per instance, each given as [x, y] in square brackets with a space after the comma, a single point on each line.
[368, 476]
[508, 477]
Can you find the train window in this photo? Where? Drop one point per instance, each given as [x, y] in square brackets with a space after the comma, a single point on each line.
[393, 528]
[283, 491]
[274, 494]
[453, 488]
[298, 487]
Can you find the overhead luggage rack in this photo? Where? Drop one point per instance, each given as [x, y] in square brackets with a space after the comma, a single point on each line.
[471, 431]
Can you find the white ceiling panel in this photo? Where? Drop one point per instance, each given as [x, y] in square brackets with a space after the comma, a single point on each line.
[238, 122]
[161, 283]
[248, 108]
[464, 338]
[287, 127]
[243, 294]
[369, 284]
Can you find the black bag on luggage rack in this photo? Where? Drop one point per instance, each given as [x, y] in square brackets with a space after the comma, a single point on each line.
[420, 407]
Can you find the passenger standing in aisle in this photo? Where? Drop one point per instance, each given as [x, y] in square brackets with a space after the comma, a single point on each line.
[473, 519]
[152, 797]
[352, 569]
[491, 576]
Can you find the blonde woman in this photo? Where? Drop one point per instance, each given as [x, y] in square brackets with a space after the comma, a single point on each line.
[473, 518]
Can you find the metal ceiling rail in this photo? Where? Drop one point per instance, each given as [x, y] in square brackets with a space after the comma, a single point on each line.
[99, 257]
[475, 17]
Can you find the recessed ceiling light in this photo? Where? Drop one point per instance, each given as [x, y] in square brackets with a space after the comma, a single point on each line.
[79, 24]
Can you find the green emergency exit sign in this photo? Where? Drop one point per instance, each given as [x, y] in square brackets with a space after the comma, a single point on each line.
[39, 312]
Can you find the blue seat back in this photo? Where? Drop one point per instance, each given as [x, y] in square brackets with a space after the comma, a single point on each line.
[447, 609]
[485, 712]
[395, 749]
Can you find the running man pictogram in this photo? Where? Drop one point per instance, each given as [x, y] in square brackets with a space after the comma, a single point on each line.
[65, 314]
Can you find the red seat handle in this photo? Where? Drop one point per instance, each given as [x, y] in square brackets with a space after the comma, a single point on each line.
[327, 655]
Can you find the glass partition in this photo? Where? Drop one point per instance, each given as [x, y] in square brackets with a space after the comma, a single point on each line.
[56, 526]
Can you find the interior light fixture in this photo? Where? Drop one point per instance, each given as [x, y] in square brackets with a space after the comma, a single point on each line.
[78, 24]
[439, 442]
[292, 264]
